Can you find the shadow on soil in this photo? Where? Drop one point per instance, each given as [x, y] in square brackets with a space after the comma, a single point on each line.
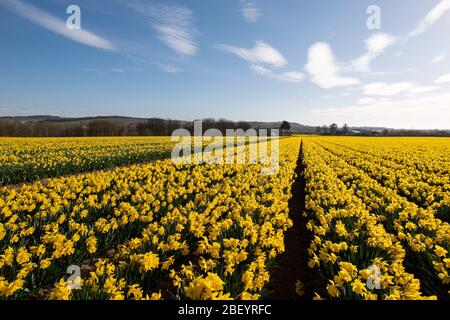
[292, 265]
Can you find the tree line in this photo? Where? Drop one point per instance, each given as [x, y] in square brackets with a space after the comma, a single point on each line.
[335, 130]
[95, 128]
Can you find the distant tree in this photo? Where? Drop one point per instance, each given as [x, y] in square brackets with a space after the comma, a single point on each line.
[345, 129]
[334, 129]
[154, 127]
[3, 128]
[224, 124]
[141, 129]
[172, 125]
[243, 125]
[208, 123]
[102, 128]
[285, 128]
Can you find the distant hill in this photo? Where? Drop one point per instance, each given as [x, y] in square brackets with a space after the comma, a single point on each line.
[37, 118]
[295, 127]
[81, 120]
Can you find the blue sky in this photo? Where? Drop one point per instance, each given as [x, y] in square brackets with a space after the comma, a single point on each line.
[312, 62]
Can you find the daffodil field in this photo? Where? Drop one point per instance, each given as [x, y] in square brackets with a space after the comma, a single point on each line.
[149, 231]
[377, 211]
[30, 159]
[379, 206]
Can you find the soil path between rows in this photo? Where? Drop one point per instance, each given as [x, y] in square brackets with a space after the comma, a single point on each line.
[292, 265]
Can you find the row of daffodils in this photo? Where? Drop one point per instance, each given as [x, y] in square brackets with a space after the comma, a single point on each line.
[30, 159]
[378, 210]
[154, 231]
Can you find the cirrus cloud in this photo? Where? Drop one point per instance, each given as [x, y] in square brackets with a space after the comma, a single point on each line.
[265, 61]
[56, 25]
[261, 53]
[430, 112]
[173, 25]
[443, 79]
[249, 11]
[376, 44]
[396, 88]
[290, 76]
[364, 101]
[439, 58]
[431, 18]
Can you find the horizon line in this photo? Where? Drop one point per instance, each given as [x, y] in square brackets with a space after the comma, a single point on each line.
[206, 118]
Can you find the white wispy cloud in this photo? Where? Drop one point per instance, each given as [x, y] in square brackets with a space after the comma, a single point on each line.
[421, 89]
[323, 69]
[397, 88]
[139, 64]
[364, 101]
[291, 77]
[443, 79]
[56, 25]
[265, 61]
[431, 18]
[261, 53]
[94, 70]
[249, 11]
[376, 44]
[173, 25]
[386, 73]
[431, 112]
[168, 68]
[439, 58]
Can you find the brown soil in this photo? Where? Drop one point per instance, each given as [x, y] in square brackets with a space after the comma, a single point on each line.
[292, 264]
